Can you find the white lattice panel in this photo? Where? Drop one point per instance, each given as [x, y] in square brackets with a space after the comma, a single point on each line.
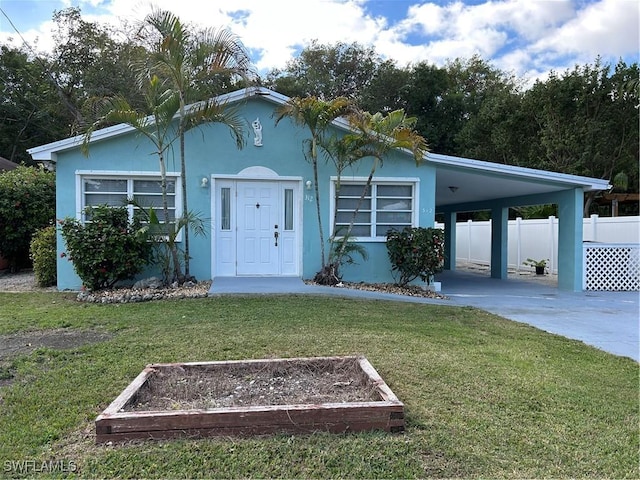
[612, 267]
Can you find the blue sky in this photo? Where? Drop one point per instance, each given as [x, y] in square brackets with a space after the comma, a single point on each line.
[526, 37]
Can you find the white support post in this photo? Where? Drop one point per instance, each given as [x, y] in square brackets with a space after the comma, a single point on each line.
[594, 227]
[552, 242]
[469, 225]
[518, 243]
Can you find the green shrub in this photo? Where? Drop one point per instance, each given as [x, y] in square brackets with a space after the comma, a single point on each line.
[43, 255]
[415, 252]
[108, 249]
[27, 204]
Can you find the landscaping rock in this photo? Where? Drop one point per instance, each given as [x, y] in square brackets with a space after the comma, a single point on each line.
[148, 283]
[133, 295]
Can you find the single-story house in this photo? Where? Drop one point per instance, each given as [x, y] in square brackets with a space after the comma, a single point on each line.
[266, 188]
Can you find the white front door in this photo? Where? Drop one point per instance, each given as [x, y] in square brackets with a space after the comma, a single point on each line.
[256, 227]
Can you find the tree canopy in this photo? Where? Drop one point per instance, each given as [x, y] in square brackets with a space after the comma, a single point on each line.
[581, 121]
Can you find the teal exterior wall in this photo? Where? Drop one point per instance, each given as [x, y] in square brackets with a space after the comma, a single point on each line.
[378, 268]
[129, 153]
[210, 151]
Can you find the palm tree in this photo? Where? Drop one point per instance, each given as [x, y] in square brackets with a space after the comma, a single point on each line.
[343, 151]
[195, 65]
[316, 115]
[162, 128]
[158, 127]
[374, 136]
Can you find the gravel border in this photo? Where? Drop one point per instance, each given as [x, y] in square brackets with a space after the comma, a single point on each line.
[24, 281]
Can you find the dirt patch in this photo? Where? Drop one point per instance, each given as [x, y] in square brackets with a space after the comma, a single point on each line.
[23, 343]
[298, 383]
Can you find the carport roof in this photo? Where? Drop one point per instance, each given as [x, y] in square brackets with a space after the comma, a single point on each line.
[464, 181]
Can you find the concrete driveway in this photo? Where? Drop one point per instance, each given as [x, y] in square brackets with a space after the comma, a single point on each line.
[606, 320]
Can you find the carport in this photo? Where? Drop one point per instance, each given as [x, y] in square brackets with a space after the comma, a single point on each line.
[466, 185]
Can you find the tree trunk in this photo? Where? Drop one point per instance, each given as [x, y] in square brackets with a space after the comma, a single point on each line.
[357, 209]
[177, 272]
[185, 207]
[314, 161]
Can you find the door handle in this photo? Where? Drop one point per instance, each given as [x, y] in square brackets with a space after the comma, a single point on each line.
[276, 235]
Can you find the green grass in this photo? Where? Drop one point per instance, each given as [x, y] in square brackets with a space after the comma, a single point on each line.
[484, 397]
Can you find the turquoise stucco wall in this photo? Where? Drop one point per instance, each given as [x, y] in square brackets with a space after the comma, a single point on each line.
[377, 268]
[211, 150]
[131, 152]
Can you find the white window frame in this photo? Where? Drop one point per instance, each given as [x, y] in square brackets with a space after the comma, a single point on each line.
[400, 181]
[129, 176]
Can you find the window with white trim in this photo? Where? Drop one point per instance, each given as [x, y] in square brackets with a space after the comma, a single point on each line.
[115, 191]
[385, 206]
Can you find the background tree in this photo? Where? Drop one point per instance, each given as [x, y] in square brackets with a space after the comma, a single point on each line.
[88, 62]
[498, 131]
[27, 204]
[428, 97]
[583, 121]
[387, 90]
[30, 112]
[44, 94]
[585, 124]
[327, 72]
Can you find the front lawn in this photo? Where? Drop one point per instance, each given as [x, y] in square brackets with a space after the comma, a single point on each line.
[484, 397]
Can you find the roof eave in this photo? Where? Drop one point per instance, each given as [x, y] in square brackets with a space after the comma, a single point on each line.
[586, 183]
[46, 152]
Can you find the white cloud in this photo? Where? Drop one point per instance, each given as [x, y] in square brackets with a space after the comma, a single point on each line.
[276, 28]
[521, 36]
[608, 28]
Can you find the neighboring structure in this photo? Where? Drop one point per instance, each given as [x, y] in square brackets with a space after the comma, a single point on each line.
[7, 165]
[252, 194]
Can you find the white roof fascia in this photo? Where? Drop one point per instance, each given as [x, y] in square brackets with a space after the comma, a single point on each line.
[45, 152]
[587, 183]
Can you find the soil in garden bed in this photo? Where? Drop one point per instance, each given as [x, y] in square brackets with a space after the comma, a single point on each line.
[293, 383]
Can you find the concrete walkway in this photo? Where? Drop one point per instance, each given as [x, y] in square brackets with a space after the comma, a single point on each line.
[606, 320]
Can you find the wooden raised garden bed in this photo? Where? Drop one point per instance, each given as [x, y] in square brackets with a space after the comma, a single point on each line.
[252, 397]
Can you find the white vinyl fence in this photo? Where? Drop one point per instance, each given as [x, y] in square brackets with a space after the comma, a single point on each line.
[611, 248]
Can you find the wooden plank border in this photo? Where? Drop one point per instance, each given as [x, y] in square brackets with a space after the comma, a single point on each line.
[116, 425]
